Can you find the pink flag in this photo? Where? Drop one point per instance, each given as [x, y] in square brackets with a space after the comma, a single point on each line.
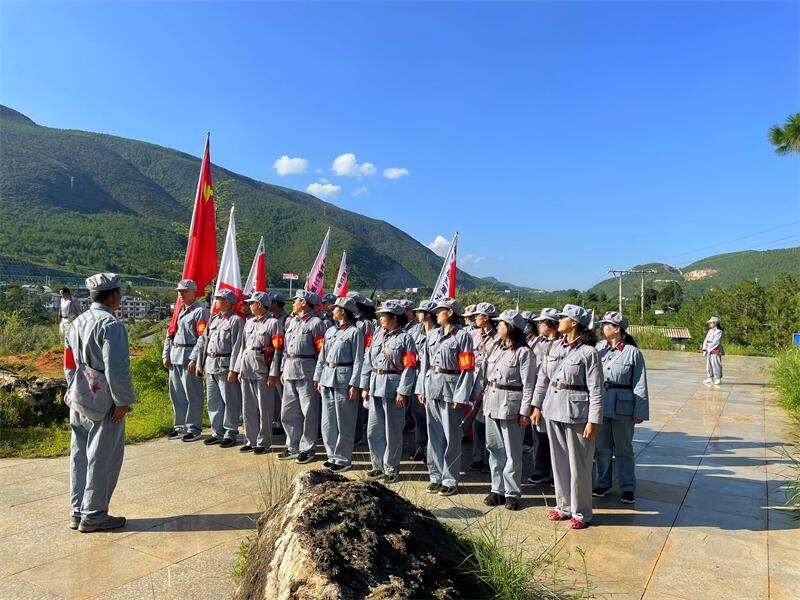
[229, 276]
[446, 284]
[257, 279]
[316, 277]
[341, 279]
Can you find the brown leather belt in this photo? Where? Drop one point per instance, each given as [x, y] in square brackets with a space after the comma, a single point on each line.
[616, 386]
[507, 388]
[301, 356]
[215, 355]
[564, 386]
[334, 365]
[384, 372]
[183, 345]
[446, 371]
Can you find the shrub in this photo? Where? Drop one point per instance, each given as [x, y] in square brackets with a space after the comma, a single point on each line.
[650, 340]
[18, 334]
[785, 378]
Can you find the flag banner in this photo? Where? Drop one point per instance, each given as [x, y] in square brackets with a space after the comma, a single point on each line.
[257, 279]
[291, 276]
[316, 277]
[340, 290]
[200, 264]
[230, 277]
[446, 284]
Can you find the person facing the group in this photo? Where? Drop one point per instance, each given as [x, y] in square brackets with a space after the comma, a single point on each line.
[569, 396]
[387, 378]
[510, 374]
[625, 404]
[713, 351]
[445, 386]
[68, 309]
[337, 377]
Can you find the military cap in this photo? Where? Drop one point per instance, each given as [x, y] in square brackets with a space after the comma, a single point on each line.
[187, 284]
[264, 298]
[277, 297]
[714, 320]
[527, 315]
[345, 303]
[577, 313]
[426, 306]
[327, 298]
[103, 281]
[469, 311]
[357, 297]
[486, 308]
[548, 314]
[612, 317]
[513, 318]
[407, 304]
[367, 302]
[450, 303]
[391, 306]
[229, 295]
[309, 297]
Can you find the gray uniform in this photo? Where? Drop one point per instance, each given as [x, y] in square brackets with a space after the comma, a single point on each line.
[448, 375]
[68, 309]
[185, 388]
[338, 369]
[417, 332]
[510, 380]
[367, 327]
[390, 366]
[97, 447]
[541, 347]
[276, 393]
[214, 353]
[486, 343]
[712, 348]
[625, 399]
[569, 393]
[258, 405]
[300, 412]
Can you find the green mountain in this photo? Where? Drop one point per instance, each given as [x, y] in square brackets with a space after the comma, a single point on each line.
[79, 202]
[721, 270]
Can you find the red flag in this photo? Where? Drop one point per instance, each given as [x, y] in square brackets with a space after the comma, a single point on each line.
[230, 277]
[446, 284]
[257, 279]
[340, 290]
[201, 250]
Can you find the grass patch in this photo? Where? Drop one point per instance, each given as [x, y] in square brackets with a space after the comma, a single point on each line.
[741, 350]
[35, 442]
[785, 378]
[18, 335]
[650, 340]
[241, 561]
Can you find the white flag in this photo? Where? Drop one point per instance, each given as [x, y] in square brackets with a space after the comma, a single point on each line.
[229, 276]
[341, 279]
[316, 277]
[257, 279]
[446, 284]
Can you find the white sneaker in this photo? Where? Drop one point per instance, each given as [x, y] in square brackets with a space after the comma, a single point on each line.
[707, 380]
[717, 381]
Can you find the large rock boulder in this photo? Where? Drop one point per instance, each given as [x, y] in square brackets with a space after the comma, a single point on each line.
[27, 400]
[337, 538]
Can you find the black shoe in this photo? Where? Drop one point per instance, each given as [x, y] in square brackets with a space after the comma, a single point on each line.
[433, 488]
[390, 478]
[599, 492]
[409, 428]
[494, 499]
[247, 448]
[304, 457]
[475, 467]
[374, 474]
[191, 436]
[512, 503]
[228, 443]
[109, 523]
[448, 490]
[260, 450]
[628, 498]
[287, 455]
[538, 479]
[74, 521]
[341, 468]
[328, 465]
[419, 454]
[210, 441]
[175, 434]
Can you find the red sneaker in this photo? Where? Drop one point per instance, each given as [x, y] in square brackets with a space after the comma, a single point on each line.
[577, 524]
[556, 515]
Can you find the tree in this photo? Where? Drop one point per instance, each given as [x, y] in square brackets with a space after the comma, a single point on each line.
[786, 139]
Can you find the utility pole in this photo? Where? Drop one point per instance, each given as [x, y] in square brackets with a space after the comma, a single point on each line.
[618, 273]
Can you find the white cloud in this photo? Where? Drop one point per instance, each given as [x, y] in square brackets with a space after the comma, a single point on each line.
[347, 165]
[325, 191]
[290, 166]
[318, 171]
[395, 172]
[471, 259]
[361, 190]
[440, 245]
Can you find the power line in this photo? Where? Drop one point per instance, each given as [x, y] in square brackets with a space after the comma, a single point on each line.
[793, 224]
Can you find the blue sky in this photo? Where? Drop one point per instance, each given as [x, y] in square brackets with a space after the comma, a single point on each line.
[559, 138]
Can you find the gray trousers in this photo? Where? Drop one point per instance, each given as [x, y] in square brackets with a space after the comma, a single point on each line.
[615, 441]
[224, 405]
[385, 434]
[339, 415]
[504, 442]
[186, 393]
[95, 460]
[258, 406]
[444, 441]
[479, 448]
[420, 420]
[572, 456]
[714, 366]
[300, 415]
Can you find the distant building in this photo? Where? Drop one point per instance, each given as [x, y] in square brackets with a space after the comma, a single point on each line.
[678, 335]
[134, 308]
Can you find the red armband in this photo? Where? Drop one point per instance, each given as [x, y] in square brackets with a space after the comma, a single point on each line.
[368, 340]
[409, 359]
[466, 361]
[200, 327]
[716, 351]
[277, 341]
[318, 342]
[69, 359]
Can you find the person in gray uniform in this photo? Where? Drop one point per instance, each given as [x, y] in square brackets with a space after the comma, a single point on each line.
[185, 387]
[100, 341]
[323, 310]
[412, 327]
[425, 316]
[387, 378]
[713, 351]
[367, 326]
[625, 404]
[68, 309]
[256, 359]
[570, 398]
[510, 378]
[448, 371]
[212, 355]
[485, 341]
[338, 377]
[300, 413]
[276, 310]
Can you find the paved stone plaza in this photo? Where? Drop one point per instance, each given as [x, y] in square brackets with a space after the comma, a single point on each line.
[709, 521]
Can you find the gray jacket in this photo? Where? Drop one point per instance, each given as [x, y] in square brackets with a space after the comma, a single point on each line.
[390, 364]
[570, 390]
[339, 362]
[214, 350]
[259, 333]
[303, 342]
[192, 322]
[510, 379]
[713, 341]
[448, 366]
[625, 382]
